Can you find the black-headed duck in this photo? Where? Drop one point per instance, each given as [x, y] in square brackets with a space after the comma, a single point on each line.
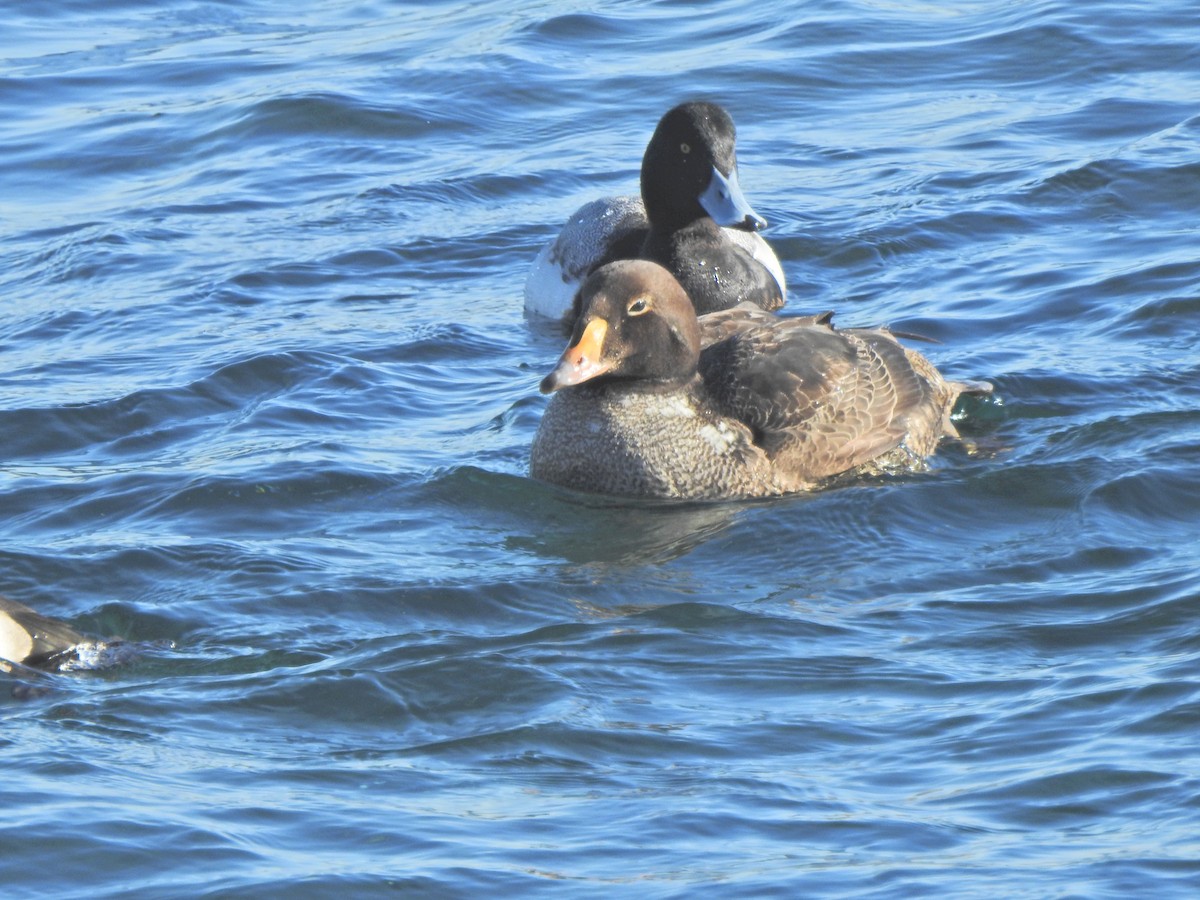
[692, 218]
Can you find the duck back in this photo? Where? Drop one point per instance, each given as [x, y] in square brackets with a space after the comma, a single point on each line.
[822, 401]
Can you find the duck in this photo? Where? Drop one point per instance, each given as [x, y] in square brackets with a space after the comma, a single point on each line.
[651, 401]
[31, 639]
[36, 641]
[691, 217]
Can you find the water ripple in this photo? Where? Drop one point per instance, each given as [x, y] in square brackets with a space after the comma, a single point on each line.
[268, 393]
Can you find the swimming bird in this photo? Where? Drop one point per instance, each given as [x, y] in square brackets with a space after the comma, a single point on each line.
[31, 639]
[692, 217]
[650, 400]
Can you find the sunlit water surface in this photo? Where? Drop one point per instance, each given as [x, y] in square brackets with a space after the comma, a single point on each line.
[267, 392]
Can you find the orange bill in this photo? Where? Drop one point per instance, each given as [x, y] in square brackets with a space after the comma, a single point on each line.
[581, 361]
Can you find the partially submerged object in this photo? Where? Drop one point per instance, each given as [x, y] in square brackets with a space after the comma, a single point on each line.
[652, 401]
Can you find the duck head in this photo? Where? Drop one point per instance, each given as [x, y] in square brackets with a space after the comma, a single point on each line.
[690, 170]
[636, 324]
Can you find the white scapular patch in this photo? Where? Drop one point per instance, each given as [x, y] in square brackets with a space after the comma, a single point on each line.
[719, 436]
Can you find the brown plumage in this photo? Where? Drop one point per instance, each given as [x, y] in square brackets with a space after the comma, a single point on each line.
[652, 402]
[31, 639]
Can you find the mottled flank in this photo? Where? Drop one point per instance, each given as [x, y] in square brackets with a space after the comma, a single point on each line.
[653, 402]
[606, 439]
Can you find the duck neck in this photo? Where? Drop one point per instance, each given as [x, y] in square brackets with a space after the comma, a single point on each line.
[614, 386]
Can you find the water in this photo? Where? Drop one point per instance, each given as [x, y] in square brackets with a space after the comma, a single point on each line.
[267, 393]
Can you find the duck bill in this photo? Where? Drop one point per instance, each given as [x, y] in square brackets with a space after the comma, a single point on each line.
[726, 205]
[581, 361]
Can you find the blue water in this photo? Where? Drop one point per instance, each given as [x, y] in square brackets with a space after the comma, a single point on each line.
[267, 393]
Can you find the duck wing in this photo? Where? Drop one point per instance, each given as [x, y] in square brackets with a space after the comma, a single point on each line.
[747, 317]
[820, 401]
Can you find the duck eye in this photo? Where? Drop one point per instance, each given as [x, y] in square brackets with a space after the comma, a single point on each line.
[685, 148]
[638, 306]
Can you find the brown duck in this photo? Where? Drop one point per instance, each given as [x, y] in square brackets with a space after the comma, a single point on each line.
[651, 401]
[31, 639]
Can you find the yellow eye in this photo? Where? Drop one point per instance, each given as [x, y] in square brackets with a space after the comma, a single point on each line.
[638, 305]
[685, 147]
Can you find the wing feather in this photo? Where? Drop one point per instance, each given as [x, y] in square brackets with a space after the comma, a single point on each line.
[818, 400]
